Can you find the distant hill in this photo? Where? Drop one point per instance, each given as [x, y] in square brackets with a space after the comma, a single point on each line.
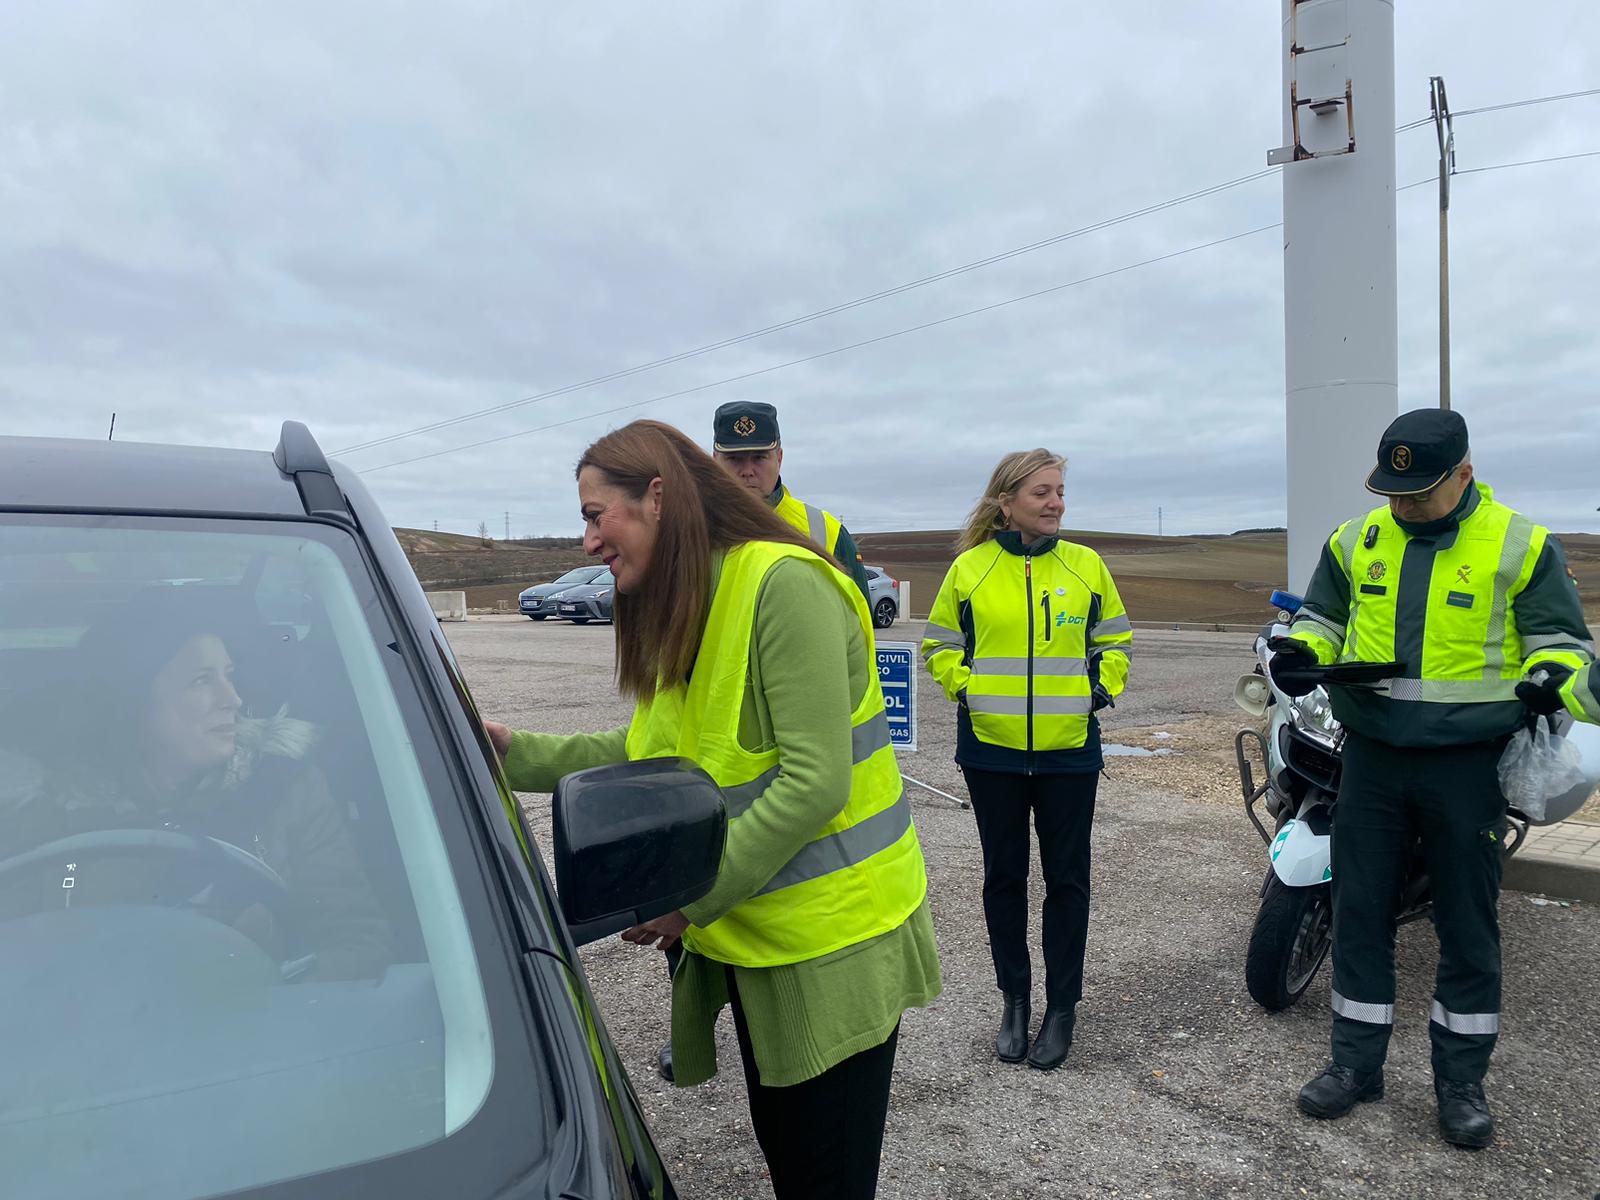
[1193, 578]
[492, 574]
[1222, 578]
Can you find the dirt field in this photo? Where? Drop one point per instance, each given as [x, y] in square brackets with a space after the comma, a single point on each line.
[1224, 580]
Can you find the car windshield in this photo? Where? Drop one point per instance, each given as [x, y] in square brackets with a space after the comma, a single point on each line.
[580, 575]
[235, 949]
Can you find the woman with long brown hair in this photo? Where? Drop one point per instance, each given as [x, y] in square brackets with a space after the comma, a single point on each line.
[749, 653]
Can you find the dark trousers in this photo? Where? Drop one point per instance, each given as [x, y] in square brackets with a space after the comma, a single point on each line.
[1389, 798]
[822, 1138]
[1063, 813]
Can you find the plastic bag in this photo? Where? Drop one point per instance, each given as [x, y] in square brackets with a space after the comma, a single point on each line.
[1537, 767]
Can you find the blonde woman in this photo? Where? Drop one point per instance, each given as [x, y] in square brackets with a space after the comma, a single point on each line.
[751, 654]
[1029, 637]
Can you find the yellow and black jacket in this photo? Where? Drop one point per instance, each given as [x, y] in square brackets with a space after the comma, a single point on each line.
[1470, 604]
[1029, 640]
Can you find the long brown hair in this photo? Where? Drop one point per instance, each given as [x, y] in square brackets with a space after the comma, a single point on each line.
[986, 518]
[703, 508]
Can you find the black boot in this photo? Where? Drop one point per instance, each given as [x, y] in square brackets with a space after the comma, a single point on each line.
[1054, 1040]
[1339, 1089]
[1464, 1118]
[664, 1062]
[1011, 1045]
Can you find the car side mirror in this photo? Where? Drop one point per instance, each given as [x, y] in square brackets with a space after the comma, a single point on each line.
[634, 841]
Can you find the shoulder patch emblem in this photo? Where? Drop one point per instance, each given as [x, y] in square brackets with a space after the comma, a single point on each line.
[1377, 570]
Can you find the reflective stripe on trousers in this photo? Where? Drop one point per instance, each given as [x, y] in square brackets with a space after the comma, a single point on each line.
[1481, 1024]
[1355, 1010]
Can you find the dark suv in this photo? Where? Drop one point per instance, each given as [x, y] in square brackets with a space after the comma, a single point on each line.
[271, 921]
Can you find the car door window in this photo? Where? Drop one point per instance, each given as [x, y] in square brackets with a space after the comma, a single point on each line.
[235, 949]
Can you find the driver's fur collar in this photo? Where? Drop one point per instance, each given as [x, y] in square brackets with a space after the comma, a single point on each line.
[279, 735]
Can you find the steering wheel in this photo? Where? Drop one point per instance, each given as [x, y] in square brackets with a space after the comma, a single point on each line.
[244, 873]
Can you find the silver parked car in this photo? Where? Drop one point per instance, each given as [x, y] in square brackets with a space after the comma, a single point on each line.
[885, 590]
[539, 601]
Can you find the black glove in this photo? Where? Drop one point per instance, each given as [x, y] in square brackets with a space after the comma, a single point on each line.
[1102, 699]
[1294, 668]
[1544, 698]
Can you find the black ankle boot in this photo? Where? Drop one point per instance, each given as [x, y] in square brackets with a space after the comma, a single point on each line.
[1054, 1040]
[1464, 1118]
[664, 1063]
[1339, 1089]
[1012, 1043]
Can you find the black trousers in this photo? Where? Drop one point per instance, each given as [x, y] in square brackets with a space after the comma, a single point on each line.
[1063, 813]
[1449, 799]
[822, 1138]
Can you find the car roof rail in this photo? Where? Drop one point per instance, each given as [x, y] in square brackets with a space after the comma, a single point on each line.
[299, 457]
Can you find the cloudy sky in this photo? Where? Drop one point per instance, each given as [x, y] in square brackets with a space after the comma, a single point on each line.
[376, 217]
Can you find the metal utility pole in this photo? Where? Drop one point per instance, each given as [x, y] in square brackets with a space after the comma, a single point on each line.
[508, 527]
[1445, 130]
[1160, 531]
[1340, 306]
[110, 432]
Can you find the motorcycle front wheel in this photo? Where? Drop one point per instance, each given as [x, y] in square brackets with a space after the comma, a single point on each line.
[1293, 934]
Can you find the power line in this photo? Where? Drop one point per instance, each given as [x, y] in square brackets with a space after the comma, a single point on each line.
[1488, 108]
[1530, 162]
[872, 341]
[846, 306]
[919, 328]
[898, 289]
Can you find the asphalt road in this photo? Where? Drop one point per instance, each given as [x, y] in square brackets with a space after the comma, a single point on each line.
[1177, 1085]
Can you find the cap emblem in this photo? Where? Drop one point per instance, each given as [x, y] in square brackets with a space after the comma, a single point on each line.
[744, 426]
[1401, 458]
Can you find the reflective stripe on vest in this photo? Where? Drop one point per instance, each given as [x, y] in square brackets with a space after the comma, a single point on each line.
[1469, 650]
[820, 526]
[862, 874]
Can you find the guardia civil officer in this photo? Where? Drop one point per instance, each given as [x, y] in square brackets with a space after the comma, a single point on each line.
[1029, 637]
[1473, 598]
[746, 442]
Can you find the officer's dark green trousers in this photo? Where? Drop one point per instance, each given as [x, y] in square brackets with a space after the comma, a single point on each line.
[1450, 799]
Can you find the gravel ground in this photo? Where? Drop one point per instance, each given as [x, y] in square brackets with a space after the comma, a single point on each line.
[1177, 1084]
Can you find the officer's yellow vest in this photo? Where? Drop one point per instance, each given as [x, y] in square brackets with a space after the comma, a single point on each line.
[1040, 634]
[1472, 651]
[862, 874]
[820, 526]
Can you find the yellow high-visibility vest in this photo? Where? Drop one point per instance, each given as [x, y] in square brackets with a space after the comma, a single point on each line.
[821, 526]
[862, 873]
[1023, 638]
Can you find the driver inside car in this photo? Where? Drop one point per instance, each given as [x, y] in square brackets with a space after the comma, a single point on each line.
[163, 742]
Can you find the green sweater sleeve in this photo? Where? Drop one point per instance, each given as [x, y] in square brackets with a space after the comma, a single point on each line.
[800, 654]
[537, 761]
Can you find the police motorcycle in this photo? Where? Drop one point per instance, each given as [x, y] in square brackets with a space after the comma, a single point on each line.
[1300, 757]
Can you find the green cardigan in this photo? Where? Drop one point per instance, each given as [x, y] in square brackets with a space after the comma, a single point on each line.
[806, 1017]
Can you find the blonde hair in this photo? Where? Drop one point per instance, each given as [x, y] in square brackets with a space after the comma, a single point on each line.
[986, 518]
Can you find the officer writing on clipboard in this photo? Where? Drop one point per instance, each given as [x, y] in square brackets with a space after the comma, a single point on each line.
[1475, 603]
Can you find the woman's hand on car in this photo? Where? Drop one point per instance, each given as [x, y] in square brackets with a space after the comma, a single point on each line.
[499, 737]
[667, 930]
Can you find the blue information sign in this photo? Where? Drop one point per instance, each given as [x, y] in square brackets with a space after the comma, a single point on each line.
[897, 666]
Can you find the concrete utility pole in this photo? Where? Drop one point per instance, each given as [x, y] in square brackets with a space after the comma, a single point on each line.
[1340, 307]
